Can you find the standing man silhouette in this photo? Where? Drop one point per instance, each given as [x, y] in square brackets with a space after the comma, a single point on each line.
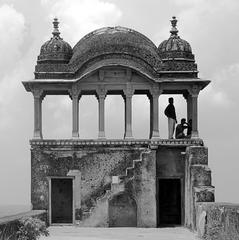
[171, 115]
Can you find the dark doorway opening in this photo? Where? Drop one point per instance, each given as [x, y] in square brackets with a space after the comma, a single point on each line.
[169, 210]
[61, 200]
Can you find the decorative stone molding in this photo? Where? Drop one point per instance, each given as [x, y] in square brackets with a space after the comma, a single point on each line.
[80, 142]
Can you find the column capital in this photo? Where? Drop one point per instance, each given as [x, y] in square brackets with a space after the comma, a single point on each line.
[74, 91]
[101, 92]
[128, 91]
[38, 93]
[155, 91]
[194, 90]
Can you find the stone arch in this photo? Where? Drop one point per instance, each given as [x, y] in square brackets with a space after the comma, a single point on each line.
[122, 211]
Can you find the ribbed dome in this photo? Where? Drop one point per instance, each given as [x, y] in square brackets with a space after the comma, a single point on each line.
[115, 42]
[176, 55]
[55, 50]
[175, 47]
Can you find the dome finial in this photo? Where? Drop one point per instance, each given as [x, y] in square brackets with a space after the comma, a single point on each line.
[174, 30]
[55, 32]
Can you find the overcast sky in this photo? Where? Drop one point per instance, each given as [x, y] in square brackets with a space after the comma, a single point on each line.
[211, 27]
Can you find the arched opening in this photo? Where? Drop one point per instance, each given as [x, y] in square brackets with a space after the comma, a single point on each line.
[88, 117]
[122, 211]
[114, 117]
[56, 117]
[140, 116]
[180, 105]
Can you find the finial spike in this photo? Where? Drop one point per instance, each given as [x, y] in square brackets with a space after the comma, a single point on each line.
[174, 30]
[55, 32]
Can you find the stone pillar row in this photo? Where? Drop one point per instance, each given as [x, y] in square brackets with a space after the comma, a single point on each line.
[192, 113]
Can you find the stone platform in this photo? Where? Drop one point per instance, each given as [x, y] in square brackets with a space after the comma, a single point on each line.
[72, 233]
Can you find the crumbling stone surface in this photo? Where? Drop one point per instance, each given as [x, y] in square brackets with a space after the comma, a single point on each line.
[197, 155]
[204, 194]
[201, 175]
[217, 221]
[96, 164]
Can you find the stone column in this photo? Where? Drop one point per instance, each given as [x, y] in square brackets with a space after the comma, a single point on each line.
[38, 97]
[154, 116]
[75, 95]
[128, 115]
[150, 116]
[101, 101]
[189, 107]
[75, 116]
[194, 96]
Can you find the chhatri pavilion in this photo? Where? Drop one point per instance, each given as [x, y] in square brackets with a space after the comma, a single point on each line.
[118, 182]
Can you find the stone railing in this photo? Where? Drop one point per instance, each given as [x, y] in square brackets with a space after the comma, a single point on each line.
[9, 225]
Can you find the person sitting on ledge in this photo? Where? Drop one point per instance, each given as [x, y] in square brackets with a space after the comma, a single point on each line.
[180, 129]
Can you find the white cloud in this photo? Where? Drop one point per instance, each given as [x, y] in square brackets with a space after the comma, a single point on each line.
[78, 17]
[12, 34]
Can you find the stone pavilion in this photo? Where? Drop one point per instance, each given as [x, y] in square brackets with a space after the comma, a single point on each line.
[118, 182]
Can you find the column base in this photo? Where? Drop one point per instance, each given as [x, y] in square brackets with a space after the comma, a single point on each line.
[194, 135]
[128, 135]
[155, 135]
[37, 135]
[101, 135]
[75, 135]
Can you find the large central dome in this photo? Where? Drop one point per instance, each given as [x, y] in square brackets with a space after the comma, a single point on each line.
[116, 42]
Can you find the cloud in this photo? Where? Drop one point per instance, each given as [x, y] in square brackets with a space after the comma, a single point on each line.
[12, 27]
[78, 17]
[12, 32]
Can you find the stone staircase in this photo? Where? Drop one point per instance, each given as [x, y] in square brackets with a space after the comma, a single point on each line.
[97, 216]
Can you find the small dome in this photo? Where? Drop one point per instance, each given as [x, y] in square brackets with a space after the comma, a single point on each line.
[176, 55]
[55, 50]
[175, 47]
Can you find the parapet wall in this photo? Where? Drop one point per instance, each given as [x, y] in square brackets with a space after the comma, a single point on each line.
[10, 225]
[198, 182]
[217, 221]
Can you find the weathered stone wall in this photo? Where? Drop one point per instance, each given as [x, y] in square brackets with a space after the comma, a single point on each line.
[143, 188]
[198, 185]
[217, 221]
[170, 162]
[10, 225]
[95, 164]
